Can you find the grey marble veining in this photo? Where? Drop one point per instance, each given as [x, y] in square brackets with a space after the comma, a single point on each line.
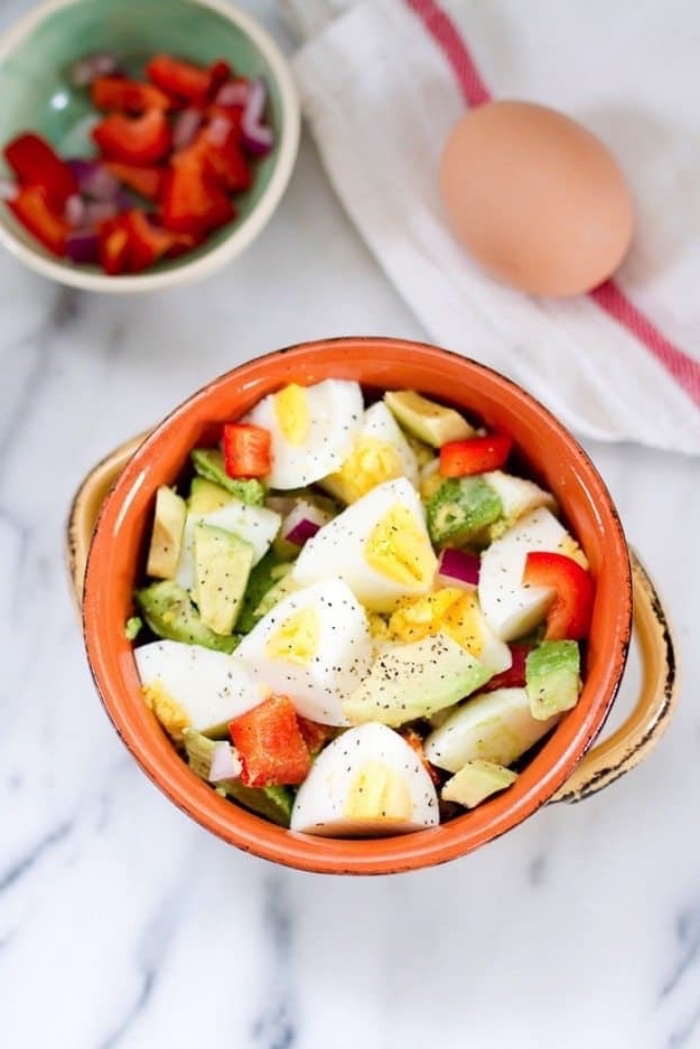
[122, 924]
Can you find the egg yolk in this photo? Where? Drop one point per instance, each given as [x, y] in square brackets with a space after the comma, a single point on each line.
[292, 412]
[399, 549]
[297, 639]
[449, 611]
[378, 792]
[172, 717]
[369, 463]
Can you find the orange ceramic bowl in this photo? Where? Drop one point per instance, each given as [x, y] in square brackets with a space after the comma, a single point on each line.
[548, 451]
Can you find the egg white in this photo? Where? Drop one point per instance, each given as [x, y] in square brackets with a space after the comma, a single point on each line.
[342, 657]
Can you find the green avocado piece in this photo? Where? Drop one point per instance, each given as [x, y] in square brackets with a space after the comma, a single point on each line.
[273, 803]
[166, 534]
[553, 678]
[415, 680]
[427, 420]
[209, 463]
[222, 564]
[461, 510]
[475, 781]
[170, 614]
[206, 496]
[263, 577]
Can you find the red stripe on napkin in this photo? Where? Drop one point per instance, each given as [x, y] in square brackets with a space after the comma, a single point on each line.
[609, 296]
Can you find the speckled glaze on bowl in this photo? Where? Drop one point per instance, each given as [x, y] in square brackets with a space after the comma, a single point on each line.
[549, 451]
[35, 55]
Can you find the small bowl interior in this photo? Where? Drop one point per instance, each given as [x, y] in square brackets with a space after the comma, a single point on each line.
[544, 448]
[36, 93]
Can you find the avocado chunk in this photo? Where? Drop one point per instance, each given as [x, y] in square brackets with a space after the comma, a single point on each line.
[415, 680]
[553, 678]
[206, 496]
[222, 564]
[209, 463]
[170, 614]
[264, 577]
[429, 421]
[273, 803]
[461, 511]
[476, 781]
[166, 536]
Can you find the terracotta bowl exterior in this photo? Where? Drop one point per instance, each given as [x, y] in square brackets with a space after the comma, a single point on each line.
[547, 450]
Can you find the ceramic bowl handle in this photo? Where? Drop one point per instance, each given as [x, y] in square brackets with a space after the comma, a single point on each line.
[634, 739]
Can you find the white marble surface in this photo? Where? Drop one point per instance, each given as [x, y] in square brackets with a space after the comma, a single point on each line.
[123, 924]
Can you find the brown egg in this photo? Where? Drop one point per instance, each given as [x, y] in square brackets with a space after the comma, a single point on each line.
[536, 198]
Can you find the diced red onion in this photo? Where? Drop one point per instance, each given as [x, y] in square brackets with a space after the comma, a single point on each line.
[185, 127]
[302, 522]
[8, 189]
[94, 180]
[74, 211]
[458, 568]
[256, 137]
[98, 211]
[82, 246]
[233, 93]
[219, 130]
[89, 68]
[225, 763]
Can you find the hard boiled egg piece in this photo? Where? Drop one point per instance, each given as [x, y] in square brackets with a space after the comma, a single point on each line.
[379, 453]
[312, 428]
[190, 687]
[367, 782]
[314, 646]
[511, 607]
[379, 545]
[256, 524]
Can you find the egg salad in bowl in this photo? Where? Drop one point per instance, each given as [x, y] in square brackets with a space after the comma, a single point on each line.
[357, 618]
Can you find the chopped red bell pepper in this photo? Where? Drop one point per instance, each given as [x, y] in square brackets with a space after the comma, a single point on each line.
[146, 181]
[514, 676]
[247, 450]
[270, 744]
[34, 162]
[226, 162]
[30, 206]
[192, 202]
[219, 72]
[114, 246]
[569, 615]
[314, 734]
[182, 79]
[140, 140]
[127, 96]
[475, 455]
[130, 243]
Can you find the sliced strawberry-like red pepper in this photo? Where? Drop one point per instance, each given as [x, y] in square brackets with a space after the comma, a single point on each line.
[247, 450]
[183, 80]
[569, 615]
[35, 163]
[114, 246]
[475, 455]
[225, 161]
[270, 744]
[146, 181]
[314, 734]
[192, 202]
[140, 140]
[130, 243]
[127, 96]
[31, 207]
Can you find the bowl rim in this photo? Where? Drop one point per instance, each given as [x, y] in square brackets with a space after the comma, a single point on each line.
[340, 856]
[241, 235]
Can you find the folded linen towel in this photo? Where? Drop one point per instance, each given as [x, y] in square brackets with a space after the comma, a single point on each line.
[383, 82]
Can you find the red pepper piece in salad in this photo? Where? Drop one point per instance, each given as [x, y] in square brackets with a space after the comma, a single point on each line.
[183, 80]
[475, 455]
[247, 450]
[192, 202]
[314, 734]
[270, 744]
[146, 181]
[30, 206]
[225, 161]
[114, 246]
[134, 140]
[569, 615]
[127, 96]
[514, 676]
[35, 163]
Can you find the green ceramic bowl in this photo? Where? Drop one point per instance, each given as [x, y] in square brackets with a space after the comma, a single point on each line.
[34, 57]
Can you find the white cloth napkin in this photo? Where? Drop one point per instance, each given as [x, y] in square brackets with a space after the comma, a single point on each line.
[382, 83]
